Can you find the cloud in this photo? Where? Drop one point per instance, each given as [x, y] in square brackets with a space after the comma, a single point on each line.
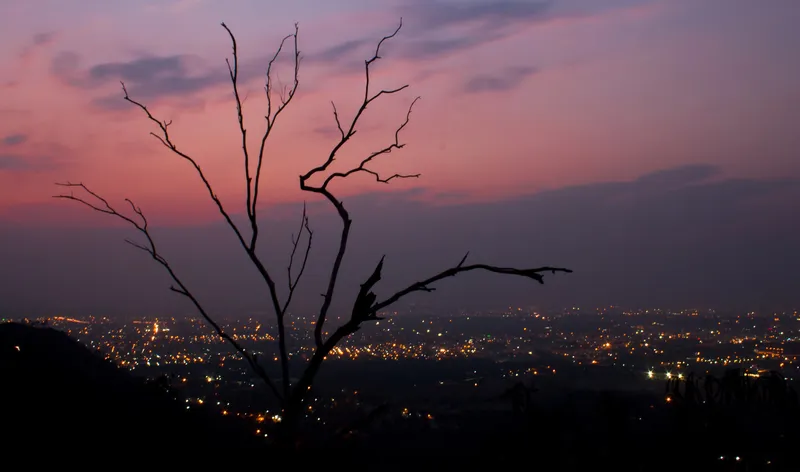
[65, 66]
[36, 156]
[182, 6]
[176, 7]
[151, 78]
[112, 102]
[689, 174]
[12, 162]
[20, 163]
[43, 39]
[435, 48]
[442, 28]
[330, 132]
[676, 238]
[439, 28]
[340, 51]
[510, 78]
[14, 139]
[139, 70]
[155, 77]
[422, 47]
[429, 15]
[37, 42]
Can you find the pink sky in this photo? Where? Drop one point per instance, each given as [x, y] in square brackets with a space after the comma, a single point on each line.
[515, 99]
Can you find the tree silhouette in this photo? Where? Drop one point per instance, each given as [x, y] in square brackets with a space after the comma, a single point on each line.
[733, 388]
[366, 306]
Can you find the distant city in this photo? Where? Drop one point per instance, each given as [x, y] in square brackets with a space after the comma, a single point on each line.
[435, 357]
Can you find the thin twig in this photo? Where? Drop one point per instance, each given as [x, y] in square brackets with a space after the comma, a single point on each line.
[293, 281]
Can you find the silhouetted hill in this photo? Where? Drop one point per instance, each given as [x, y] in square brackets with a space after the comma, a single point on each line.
[57, 392]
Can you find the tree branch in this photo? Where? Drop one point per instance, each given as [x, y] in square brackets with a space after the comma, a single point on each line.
[366, 101]
[248, 247]
[233, 71]
[365, 308]
[253, 185]
[425, 285]
[151, 249]
[293, 281]
[322, 189]
[167, 142]
[386, 150]
[336, 117]
[270, 122]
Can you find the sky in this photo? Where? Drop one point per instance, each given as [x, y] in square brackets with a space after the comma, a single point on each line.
[650, 145]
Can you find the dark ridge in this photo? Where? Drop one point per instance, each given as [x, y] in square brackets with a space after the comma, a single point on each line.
[57, 392]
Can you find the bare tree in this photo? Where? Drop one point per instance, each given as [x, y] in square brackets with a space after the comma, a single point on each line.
[366, 306]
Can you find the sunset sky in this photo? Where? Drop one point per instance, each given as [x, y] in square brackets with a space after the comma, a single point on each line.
[664, 131]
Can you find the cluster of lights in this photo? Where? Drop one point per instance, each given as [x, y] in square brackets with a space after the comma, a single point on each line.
[668, 375]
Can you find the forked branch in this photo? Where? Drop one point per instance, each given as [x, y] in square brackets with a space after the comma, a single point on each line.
[351, 129]
[345, 135]
[150, 248]
[294, 280]
[386, 150]
[253, 184]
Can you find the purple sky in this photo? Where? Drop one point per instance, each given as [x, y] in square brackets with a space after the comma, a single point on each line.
[650, 145]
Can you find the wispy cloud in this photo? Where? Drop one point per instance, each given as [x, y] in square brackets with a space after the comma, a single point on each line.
[435, 29]
[329, 132]
[36, 43]
[21, 163]
[434, 48]
[154, 77]
[429, 15]
[442, 28]
[689, 174]
[42, 39]
[698, 233]
[176, 7]
[65, 66]
[15, 139]
[340, 51]
[507, 79]
[147, 77]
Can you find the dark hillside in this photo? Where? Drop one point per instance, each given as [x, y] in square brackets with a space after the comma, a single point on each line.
[56, 392]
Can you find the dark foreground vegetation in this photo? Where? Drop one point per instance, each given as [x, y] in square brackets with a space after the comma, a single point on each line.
[57, 394]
